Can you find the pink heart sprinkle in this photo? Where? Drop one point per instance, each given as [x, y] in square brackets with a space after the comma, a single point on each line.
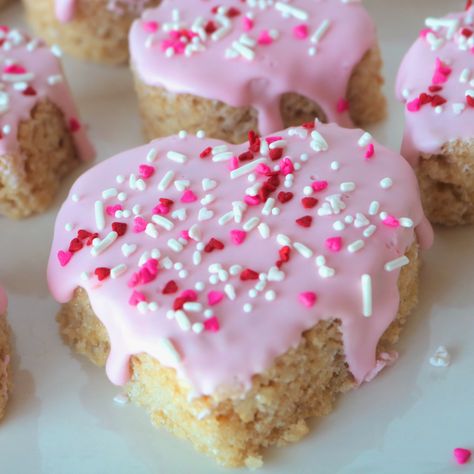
[342, 105]
[414, 105]
[263, 169]
[214, 297]
[275, 138]
[264, 38]
[252, 200]
[334, 244]
[233, 163]
[425, 32]
[238, 236]
[64, 257]
[111, 210]
[139, 224]
[161, 209]
[391, 221]
[308, 298]
[248, 23]
[439, 78]
[14, 69]
[136, 298]
[150, 26]
[319, 185]
[134, 280]
[370, 152]
[462, 455]
[189, 295]
[286, 166]
[300, 31]
[212, 324]
[146, 171]
[185, 235]
[188, 196]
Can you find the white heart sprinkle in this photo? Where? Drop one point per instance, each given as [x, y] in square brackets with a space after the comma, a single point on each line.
[181, 184]
[440, 358]
[325, 210]
[129, 249]
[274, 274]
[208, 184]
[205, 214]
[179, 214]
[361, 220]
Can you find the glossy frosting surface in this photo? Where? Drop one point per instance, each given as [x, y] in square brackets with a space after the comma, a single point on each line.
[30, 73]
[436, 82]
[259, 242]
[250, 53]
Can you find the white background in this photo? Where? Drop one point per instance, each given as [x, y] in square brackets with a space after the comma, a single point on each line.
[62, 418]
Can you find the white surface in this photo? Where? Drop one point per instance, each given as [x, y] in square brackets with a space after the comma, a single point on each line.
[62, 418]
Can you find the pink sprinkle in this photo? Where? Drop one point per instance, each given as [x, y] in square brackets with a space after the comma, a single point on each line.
[151, 265]
[214, 297]
[270, 140]
[442, 72]
[64, 257]
[424, 32]
[370, 152]
[139, 224]
[136, 298]
[414, 105]
[300, 31]
[146, 171]
[252, 200]
[263, 169]
[462, 455]
[161, 209]
[308, 298]
[264, 38]
[391, 221]
[150, 26]
[247, 23]
[134, 280]
[319, 185]
[439, 78]
[334, 244]
[185, 235]
[342, 105]
[212, 324]
[14, 69]
[238, 236]
[286, 166]
[189, 295]
[188, 196]
[233, 163]
[111, 210]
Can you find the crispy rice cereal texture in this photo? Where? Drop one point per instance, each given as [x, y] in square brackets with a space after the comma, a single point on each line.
[165, 113]
[95, 34]
[5, 372]
[301, 384]
[447, 183]
[29, 179]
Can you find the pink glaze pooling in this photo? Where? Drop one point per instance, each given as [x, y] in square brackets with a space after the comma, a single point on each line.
[66, 9]
[30, 73]
[443, 57]
[238, 341]
[170, 48]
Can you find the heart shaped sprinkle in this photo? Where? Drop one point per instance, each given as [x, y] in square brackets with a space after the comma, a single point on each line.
[64, 257]
[462, 455]
[308, 298]
[238, 236]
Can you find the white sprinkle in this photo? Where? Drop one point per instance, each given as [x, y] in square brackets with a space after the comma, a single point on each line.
[326, 272]
[288, 10]
[318, 142]
[406, 222]
[176, 156]
[247, 168]
[118, 271]
[205, 214]
[108, 193]
[441, 357]
[283, 240]
[100, 246]
[128, 249]
[68, 227]
[198, 328]
[182, 320]
[75, 198]
[251, 224]
[465, 76]
[195, 233]
[369, 231]
[151, 155]
[169, 348]
[347, 187]
[151, 231]
[303, 250]
[366, 282]
[192, 307]
[181, 184]
[166, 180]
[339, 226]
[386, 183]
[121, 399]
[320, 32]
[374, 208]
[235, 270]
[230, 291]
[397, 263]
[270, 295]
[197, 258]
[122, 197]
[335, 165]
[247, 308]
[174, 245]
[365, 139]
[163, 222]
[355, 246]
[264, 230]
[208, 184]
[307, 190]
[99, 215]
[267, 208]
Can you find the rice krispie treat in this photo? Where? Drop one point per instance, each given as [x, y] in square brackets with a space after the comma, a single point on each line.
[255, 66]
[93, 30]
[41, 136]
[436, 81]
[237, 289]
[5, 371]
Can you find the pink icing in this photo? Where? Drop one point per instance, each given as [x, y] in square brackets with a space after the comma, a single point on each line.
[65, 9]
[313, 283]
[443, 57]
[29, 73]
[3, 302]
[183, 58]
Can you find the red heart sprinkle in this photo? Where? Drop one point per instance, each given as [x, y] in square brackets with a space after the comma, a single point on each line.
[102, 273]
[309, 202]
[120, 228]
[75, 245]
[212, 245]
[305, 221]
[170, 288]
[285, 196]
[248, 274]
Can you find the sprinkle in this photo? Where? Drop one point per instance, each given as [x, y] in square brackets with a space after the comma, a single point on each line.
[247, 308]
[347, 187]
[303, 250]
[166, 180]
[104, 244]
[174, 245]
[163, 222]
[386, 183]
[151, 231]
[366, 282]
[118, 271]
[288, 10]
[441, 357]
[462, 455]
[251, 224]
[99, 215]
[247, 168]
[176, 157]
[264, 230]
[364, 140]
[308, 298]
[355, 246]
[397, 263]
[167, 346]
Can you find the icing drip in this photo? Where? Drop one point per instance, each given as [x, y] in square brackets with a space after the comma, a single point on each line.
[436, 82]
[250, 53]
[30, 72]
[65, 9]
[215, 258]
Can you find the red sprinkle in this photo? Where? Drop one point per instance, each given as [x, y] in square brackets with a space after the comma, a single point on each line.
[120, 228]
[212, 324]
[309, 202]
[285, 196]
[29, 91]
[248, 274]
[206, 152]
[304, 221]
[212, 245]
[102, 273]
[170, 288]
[75, 245]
